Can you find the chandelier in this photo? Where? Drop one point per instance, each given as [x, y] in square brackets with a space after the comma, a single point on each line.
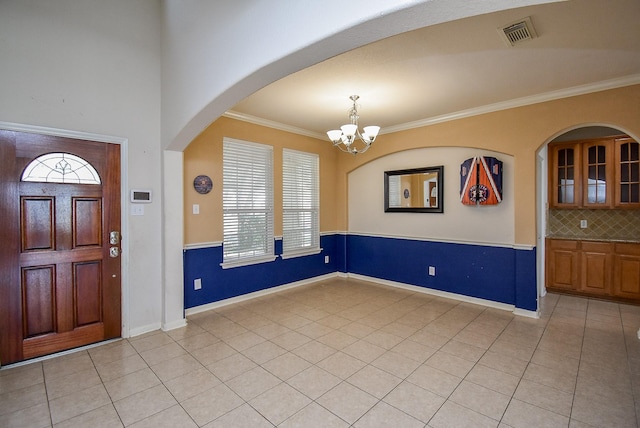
[348, 135]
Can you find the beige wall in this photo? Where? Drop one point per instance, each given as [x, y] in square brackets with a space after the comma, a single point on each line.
[204, 156]
[518, 132]
[489, 224]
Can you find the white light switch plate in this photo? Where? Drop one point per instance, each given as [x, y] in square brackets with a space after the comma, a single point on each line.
[137, 209]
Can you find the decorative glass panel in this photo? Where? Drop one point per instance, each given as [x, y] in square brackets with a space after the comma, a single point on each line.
[565, 176]
[60, 168]
[597, 180]
[629, 172]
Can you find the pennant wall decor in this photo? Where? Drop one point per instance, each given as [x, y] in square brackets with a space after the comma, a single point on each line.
[481, 181]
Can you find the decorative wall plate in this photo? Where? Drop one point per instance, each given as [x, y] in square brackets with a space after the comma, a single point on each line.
[203, 184]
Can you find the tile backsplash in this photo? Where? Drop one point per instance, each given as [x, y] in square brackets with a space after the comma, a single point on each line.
[610, 225]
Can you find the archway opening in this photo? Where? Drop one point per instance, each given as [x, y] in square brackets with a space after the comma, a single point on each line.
[570, 219]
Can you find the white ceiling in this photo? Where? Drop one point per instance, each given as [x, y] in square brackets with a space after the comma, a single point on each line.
[459, 68]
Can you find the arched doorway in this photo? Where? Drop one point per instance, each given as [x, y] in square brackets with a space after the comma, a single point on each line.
[592, 224]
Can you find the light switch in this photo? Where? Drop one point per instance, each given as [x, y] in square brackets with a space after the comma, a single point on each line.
[196, 209]
[197, 284]
[583, 224]
[137, 209]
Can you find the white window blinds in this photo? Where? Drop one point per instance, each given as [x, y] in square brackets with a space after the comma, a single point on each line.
[300, 202]
[247, 200]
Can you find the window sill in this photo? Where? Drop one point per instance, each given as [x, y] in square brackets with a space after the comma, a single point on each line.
[301, 253]
[247, 262]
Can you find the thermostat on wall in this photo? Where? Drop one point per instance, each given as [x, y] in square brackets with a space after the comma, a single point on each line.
[141, 196]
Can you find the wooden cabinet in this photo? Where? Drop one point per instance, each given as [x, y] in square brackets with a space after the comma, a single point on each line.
[598, 173]
[626, 268]
[627, 178]
[596, 260]
[591, 268]
[565, 175]
[562, 264]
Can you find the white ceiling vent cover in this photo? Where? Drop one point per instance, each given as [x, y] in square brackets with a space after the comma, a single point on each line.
[518, 32]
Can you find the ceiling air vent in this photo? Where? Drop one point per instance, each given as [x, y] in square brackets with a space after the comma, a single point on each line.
[518, 32]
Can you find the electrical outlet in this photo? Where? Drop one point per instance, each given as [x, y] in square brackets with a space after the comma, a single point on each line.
[326, 259]
[196, 209]
[583, 224]
[197, 284]
[432, 271]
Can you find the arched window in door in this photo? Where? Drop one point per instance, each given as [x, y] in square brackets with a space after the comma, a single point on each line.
[60, 168]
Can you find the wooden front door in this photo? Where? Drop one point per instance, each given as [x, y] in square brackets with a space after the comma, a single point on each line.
[59, 244]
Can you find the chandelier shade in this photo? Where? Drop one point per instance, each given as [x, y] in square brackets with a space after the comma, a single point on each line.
[347, 137]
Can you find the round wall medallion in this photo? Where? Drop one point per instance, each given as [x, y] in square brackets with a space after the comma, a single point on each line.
[203, 184]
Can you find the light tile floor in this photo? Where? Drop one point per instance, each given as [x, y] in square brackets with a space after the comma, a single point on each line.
[345, 353]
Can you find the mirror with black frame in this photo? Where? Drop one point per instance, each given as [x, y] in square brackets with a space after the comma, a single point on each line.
[417, 190]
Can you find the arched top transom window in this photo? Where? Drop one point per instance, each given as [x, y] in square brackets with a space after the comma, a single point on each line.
[60, 168]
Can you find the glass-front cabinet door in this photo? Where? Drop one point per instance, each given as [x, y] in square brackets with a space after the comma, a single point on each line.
[628, 173]
[598, 175]
[565, 180]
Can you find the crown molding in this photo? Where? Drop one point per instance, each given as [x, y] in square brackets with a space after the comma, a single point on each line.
[272, 124]
[489, 108]
[520, 102]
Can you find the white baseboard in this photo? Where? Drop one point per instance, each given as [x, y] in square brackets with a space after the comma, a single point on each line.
[448, 295]
[430, 291]
[174, 324]
[144, 329]
[526, 313]
[249, 296]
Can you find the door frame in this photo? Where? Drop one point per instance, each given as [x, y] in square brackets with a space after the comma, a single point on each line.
[124, 184]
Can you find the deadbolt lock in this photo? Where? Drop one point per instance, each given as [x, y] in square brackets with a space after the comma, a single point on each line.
[114, 237]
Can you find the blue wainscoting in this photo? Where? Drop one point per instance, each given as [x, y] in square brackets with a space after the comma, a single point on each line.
[501, 274]
[219, 284]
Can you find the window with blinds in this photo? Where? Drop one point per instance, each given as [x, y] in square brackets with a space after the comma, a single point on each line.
[247, 199]
[395, 190]
[300, 203]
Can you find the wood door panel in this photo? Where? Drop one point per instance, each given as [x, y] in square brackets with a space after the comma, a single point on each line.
[45, 257]
[87, 284]
[596, 267]
[562, 264]
[54, 342]
[38, 300]
[37, 223]
[87, 222]
[627, 276]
